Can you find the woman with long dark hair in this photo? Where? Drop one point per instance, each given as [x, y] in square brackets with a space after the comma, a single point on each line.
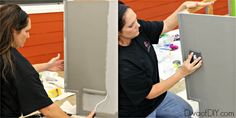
[21, 90]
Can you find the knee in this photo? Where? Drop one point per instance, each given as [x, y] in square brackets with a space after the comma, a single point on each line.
[188, 111]
[184, 111]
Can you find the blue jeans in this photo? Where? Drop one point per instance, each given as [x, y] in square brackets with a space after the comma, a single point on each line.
[172, 107]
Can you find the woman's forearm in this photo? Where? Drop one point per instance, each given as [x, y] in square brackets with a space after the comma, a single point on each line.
[53, 111]
[172, 21]
[163, 86]
[186, 69]
[41, 67]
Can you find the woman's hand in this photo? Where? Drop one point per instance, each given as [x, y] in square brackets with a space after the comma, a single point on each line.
[91, 114]
[188, 68]
[55, 64]
[194, 6]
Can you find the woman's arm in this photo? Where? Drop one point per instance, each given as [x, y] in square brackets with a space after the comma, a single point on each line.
[53, 111]
[53, 65]
[41, 67]
[186, 69]
[189, 6]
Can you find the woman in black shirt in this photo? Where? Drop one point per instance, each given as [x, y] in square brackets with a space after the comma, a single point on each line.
[21, 90]
[141, 94]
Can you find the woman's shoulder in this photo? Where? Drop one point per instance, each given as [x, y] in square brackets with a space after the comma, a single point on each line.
[17, 56]
[150, 25]
[15, 53]
[21, 63]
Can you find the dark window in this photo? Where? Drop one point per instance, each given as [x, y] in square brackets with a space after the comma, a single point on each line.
[29, 1]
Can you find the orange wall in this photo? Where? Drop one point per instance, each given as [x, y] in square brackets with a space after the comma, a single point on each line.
[160, 9]
[47, 29]
[46, 37]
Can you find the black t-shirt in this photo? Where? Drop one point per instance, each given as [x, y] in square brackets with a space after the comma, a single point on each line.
[138, 72]
[22, 92]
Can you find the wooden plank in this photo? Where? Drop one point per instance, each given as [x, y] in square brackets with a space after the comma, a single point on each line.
[46, 17]
[46, 27]
[42, 49]
[158, 10]
[46, 38]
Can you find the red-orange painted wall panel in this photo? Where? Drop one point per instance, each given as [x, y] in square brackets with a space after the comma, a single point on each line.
[46, 37]
[161, 9]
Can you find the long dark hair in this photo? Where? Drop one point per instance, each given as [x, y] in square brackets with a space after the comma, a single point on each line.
[122, 8]
[12, 18]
